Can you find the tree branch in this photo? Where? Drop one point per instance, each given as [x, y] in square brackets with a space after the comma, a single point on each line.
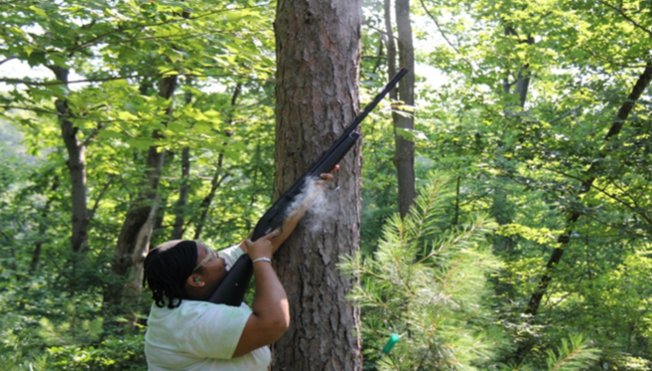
[7, 59]
[633, 206]
[441, 31]
[33, 109]
[30, 82]
[139, 26]
[96, 204]
[620, 11]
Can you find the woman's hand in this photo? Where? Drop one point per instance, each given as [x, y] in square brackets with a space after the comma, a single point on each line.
[324, 178]
[262, 247]
[277, 237]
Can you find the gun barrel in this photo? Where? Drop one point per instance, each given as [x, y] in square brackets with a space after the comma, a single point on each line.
[232, 289]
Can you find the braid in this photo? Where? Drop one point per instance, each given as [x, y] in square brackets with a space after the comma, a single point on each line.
[166, 270]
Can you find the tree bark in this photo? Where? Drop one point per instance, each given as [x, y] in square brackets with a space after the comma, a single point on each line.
[318, 52]
[76, 166]
[391, 48]
[404, 154]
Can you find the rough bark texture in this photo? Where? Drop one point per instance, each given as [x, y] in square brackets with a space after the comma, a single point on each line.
[317, 96]
[404, 155]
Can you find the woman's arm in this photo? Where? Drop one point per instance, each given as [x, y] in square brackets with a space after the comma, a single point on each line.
[270, 316]
[271, 311]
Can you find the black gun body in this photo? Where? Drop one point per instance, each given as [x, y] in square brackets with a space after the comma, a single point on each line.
[233, 287]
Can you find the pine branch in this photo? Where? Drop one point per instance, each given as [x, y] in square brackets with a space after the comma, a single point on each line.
[573, 354]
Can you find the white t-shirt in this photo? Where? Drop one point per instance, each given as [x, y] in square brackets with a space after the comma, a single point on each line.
[199, 335]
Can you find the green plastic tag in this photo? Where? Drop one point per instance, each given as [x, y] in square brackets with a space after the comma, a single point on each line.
[393, 339]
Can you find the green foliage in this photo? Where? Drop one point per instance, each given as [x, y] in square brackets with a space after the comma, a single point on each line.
[44, 327]
[573, 354]
[428, 283]
[425, 277]
[54, 313]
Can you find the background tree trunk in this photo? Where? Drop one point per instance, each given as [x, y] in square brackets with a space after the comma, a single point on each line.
[219, 173]
[574, 214]
[136, 231]
[404, 155]
[589, 178]
[502, 208]
[180, 208]
[182, 202]
[76, 165]
[318, 55]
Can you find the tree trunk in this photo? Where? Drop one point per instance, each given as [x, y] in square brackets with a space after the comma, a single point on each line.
[35, 261]
[502, 208]
[590, 176]
[135, 234]
[182, 202]
[184, 187]
[404, 155]
[218, 174]
[391, 48]
[206, 202]
[76, 166]
[318, 52]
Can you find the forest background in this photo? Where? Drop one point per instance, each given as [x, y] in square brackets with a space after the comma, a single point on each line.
[527, 245]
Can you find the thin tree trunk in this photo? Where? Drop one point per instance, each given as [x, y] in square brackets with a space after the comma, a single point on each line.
[136, 231]
[35, 262]
[318, 52]
[182, 202]
[391, 48]
[76, 166]
[404, 154]
[218, 177]
[184, 187]
[590, 176]
[501, 207]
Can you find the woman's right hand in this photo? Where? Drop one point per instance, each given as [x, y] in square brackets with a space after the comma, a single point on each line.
[262, 247]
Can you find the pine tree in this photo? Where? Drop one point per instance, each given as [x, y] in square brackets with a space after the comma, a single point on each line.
[427, 282]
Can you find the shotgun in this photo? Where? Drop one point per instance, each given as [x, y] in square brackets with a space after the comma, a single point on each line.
[232, 289]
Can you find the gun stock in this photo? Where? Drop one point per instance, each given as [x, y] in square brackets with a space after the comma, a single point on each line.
[233, 287]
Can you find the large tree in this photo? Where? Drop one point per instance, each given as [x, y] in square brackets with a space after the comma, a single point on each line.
[318, 47]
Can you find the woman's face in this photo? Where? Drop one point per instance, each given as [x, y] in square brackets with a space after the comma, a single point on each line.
[210, 267]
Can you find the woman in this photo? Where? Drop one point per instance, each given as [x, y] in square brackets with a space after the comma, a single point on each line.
[187, 332]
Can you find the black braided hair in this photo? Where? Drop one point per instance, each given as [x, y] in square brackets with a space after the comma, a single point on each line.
[166, 271]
